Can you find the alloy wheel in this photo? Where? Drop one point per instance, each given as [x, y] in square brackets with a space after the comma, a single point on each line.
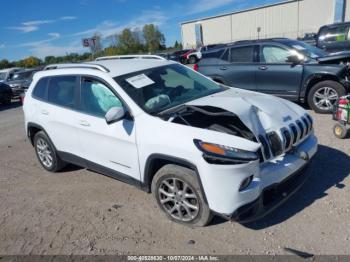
[44, 152]
[325, 98]
[178, 199]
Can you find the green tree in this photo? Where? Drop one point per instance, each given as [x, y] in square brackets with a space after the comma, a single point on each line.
[154, 39]
[129, 42]
[4, 63]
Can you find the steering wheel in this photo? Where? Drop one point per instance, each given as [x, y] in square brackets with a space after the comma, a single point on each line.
[174, 92]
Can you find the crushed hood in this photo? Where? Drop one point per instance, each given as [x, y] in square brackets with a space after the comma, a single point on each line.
[259, 112]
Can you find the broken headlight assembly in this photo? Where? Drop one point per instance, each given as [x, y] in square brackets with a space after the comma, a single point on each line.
[224, 155]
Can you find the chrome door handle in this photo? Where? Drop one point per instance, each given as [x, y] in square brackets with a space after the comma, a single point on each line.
[263, 67]
[44, 112]
[84, 123]
[223, 68]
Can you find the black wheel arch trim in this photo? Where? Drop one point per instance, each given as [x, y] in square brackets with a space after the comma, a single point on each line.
[320, 77]
[148, 175]
[29, 125]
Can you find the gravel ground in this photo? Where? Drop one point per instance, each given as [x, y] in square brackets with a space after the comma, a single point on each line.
[81, 212]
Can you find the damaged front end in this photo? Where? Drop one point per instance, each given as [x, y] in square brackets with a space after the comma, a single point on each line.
[219, 120]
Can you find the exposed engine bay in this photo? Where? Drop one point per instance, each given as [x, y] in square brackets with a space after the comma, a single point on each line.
[211, 118]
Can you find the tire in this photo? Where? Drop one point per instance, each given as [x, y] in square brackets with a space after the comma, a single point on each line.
[319, 93]
[340, 131]
[195, 217]
[183, 61]
[192, 60]
[46, 153]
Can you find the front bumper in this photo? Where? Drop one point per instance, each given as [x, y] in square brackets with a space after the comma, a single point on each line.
[271, 198]
[221, 183]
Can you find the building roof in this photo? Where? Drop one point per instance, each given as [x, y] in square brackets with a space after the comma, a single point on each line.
[241, 11]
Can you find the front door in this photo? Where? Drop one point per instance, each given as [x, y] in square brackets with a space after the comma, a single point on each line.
[275, 75]
[109, 148]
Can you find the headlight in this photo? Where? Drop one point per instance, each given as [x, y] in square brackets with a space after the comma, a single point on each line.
[219, 154]
[13, 85]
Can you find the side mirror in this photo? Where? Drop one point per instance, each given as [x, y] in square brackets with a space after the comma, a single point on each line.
[114, 115]
[293, 59]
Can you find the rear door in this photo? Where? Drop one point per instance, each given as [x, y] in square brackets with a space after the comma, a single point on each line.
[240, 72]
[56, 104]
[275, 75]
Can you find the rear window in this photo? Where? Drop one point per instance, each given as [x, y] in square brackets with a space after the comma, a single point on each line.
[62, 91]
[242, 54]
[40, 89]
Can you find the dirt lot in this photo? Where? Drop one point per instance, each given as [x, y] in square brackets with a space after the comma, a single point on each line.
[81, 212]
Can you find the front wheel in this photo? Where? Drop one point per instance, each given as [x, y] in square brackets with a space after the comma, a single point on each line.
[323, 96]
[178, 194]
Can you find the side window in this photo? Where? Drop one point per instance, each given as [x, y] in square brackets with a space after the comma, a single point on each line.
[242, 54]
[40, 89]
[274, 54]
[97, 98]
[61, 91]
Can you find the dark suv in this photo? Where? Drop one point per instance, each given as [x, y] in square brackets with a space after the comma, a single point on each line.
[283, 67]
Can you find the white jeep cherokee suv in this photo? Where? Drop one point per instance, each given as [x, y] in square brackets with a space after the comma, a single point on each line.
[200, 147]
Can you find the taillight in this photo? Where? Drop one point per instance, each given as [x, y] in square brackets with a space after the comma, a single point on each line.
[195, 67]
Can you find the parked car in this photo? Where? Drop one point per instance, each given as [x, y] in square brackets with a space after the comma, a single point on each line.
[196, 55]
[334, 38]
[5, 94]
[6, 74]
[283, 67]
[176, 55]
[201, 148]
[21, 80]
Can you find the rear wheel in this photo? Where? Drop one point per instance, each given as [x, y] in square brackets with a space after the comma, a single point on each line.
[178, 194]
[323, 96]
[46, 153]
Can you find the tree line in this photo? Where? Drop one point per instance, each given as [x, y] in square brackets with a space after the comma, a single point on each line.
[149, 39]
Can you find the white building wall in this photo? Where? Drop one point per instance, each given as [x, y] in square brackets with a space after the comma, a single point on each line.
[347, 14]
[291, 19]
[314, 14]
[216, 28]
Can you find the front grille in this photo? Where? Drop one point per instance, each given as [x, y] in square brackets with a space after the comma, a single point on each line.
[287, 137]
[274, 145]
[265, 147]
[301, 128]
[294, 132]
